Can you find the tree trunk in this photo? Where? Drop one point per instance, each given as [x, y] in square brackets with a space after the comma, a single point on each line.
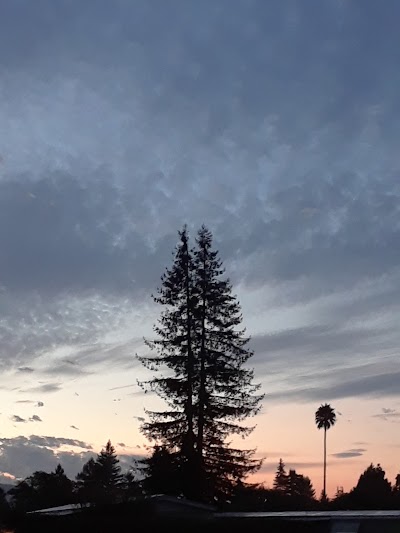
[324, 491]
[202, 388]
[189, 452]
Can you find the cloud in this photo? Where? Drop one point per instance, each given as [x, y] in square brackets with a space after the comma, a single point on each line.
[74, 427]
[35, 418]
[56, 442]
[44, 388]
[304, 211]
[388, 415]
[84, 235]
[39, 404]
[123, 387]
[339, 371]
[64, 369]
[18, 419]
[353, 452]
[378, 386]
[21, 456]
[335, 341]
[121, 444]
[26, 369]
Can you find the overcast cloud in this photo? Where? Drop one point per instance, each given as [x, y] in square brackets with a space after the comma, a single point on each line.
[275, 123]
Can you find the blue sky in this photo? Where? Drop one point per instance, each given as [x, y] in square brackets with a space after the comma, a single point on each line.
[276, 123]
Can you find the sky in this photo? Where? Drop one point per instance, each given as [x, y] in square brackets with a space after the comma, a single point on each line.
[275, 123]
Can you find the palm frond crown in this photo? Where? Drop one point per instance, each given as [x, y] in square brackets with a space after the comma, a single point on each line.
[325, 416]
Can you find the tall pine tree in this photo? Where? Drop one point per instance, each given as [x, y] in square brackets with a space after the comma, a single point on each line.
[227, 395]
[207, 389]
[173, 350]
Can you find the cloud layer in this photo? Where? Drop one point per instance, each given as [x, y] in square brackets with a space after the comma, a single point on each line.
[276, 123]
[21, 456]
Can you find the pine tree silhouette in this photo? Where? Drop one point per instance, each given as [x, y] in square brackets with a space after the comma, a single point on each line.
[208, 391]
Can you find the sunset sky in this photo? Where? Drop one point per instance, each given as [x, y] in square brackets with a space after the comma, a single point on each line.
[276, 123]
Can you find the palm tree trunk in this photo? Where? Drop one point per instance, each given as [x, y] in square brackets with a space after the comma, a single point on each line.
[324, 492]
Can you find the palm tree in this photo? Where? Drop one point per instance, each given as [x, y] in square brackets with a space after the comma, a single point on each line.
[325, 417]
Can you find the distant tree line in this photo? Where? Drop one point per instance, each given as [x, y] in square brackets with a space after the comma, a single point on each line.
[101, 482]
[293, 491]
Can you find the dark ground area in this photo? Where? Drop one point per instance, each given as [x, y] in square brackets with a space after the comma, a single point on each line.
[130, 518]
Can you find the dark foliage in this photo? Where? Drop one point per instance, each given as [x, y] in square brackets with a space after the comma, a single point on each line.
[100, 480]
[291, 491]
[43, 489]
[4, 505]
[162, 472]
[207, 390]
[281, 479]
[373, 491]
[226, 394]
[173, 429]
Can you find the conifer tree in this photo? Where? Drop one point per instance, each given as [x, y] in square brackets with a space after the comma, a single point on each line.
[299, 486]
[208, 391]
[87, 483]
[281, 478]
[100, 479]
[227, 395]
[109, 471]
[163, 472]
[173, 350]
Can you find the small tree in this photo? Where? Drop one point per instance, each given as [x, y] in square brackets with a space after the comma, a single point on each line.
[87, 483]
[281, 478]
[43, 489]
[100, 479]
[396, 487]
[300, 490]
[132, 488]
[372, 489]
[163, 472]
[109, 472]
[304, 487]
[61, 486]
[23, 496]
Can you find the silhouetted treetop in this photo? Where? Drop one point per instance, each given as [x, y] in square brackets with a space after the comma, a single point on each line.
[100, 479]
[281, 478]
[208, 391]
[325, 417]
[373, 482]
